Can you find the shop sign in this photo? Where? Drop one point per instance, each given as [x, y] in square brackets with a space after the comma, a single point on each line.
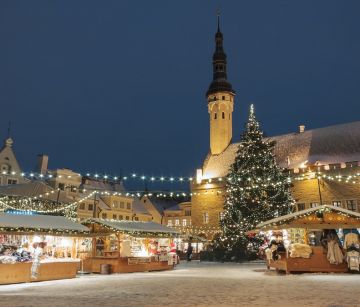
[138, 260]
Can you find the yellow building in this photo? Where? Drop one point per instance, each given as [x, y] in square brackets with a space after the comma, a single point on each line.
[319, 161]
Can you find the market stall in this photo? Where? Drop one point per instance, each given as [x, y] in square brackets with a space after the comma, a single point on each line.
[320, 239]
[38, 247]
[129, 246]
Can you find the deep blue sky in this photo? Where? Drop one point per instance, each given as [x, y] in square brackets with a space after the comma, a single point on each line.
[110, 85]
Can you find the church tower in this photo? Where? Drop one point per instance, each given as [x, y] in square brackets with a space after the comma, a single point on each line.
[220, 99]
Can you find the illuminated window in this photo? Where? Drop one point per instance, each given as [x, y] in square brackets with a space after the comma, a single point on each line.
[314, 205]
[301, 207]
[206, 217]
[351, 205]
[187, 212]
[177, 222]
[115, 204]
[221, 216]
[336, 203]
[184, 222]
[169, 223]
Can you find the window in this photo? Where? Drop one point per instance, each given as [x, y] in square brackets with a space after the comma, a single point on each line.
[215, 115]
[90, 207]
[12, 181]
[121, 217]
[314, 205]
[82, 207]
[223, 115]
[115, 204]
[187, 212]
[221, 216]
[114, 216]
[184, 222]
[136, 218]
[336, 203]
[169, 223]
[61, 186]
[104, 215]
[73, 189]
[122, 205]
[128, 206]
[223, 97]
[177, 222]
[206, 218]
[351, 205]
[301, 207]
[127, 218]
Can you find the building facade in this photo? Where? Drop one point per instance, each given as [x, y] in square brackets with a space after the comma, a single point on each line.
[322, 163]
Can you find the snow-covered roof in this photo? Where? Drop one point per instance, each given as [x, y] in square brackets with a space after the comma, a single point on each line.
[138, 207]
[40, 224]
[134, 227]
[329, 145]
[281, 221]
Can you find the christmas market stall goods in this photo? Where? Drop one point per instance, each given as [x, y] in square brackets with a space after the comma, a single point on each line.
[130, 246]
[198, 244]
[38, 247]
[320, 239]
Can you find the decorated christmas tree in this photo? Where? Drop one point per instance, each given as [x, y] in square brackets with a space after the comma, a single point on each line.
[257, 189]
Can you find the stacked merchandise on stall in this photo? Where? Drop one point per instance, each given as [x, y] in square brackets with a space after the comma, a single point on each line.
[321, 239]
[38, 247]
[130, 246]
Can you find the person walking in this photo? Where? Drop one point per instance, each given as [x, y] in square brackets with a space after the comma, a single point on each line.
[189, 252]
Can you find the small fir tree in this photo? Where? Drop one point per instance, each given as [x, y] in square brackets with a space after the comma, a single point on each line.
[257, 189]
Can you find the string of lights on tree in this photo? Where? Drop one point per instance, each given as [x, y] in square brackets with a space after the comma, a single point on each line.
[257, 189]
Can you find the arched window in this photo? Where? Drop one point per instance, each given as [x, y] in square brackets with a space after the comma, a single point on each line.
[215, 115]
[223, 115]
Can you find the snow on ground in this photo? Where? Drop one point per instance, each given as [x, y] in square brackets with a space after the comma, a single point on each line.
[191, 284]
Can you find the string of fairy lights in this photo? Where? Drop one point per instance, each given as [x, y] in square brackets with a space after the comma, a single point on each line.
[348, 178]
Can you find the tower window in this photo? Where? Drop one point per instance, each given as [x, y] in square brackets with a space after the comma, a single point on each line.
[215, 115]
[214, 98]
[223, 115]
[223, 97]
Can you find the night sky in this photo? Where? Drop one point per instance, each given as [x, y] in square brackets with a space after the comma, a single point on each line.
[104, 86]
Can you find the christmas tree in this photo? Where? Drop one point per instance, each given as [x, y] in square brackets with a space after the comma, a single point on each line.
[257, 189]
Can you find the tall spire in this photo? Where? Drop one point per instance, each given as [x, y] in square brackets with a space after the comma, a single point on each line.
[219, 83]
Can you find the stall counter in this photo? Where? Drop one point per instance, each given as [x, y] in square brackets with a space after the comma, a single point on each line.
[12, 273]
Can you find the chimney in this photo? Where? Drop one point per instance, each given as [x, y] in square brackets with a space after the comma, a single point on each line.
[301, 128]
[43, 161]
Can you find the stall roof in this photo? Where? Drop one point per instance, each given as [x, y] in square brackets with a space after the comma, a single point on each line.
[322, 217]
[40, 224]
[133, 227]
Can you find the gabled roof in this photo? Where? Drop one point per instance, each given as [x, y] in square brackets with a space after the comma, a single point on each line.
[34, 188]
[56, 225]
[329, 145]
[134, 227]
[321, 217]
[7, 156]
[162, 204]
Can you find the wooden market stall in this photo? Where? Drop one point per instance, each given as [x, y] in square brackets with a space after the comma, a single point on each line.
[22, 235]
[129, 246]
[303, 230]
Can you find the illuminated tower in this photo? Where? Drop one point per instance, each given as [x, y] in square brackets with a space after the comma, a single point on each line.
[220, 98]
